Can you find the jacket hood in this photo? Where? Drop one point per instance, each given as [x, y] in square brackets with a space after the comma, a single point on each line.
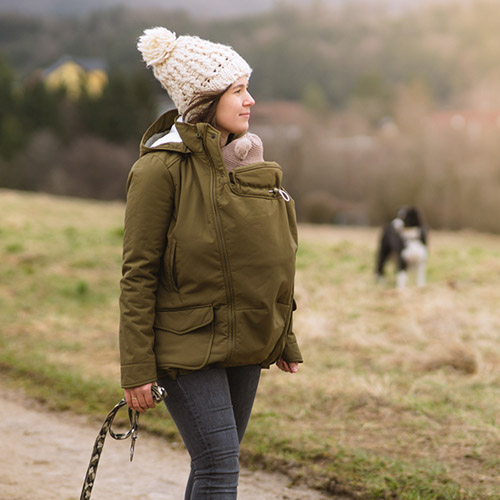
[183, 138]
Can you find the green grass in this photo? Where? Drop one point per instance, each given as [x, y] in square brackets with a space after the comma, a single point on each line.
[398, 397]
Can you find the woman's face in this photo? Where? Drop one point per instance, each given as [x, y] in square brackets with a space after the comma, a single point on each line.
[233, 110]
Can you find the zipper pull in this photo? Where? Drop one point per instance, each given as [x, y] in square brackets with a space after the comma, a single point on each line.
[281, 192]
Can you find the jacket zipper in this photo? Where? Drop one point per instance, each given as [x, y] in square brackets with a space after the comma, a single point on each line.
[227, 274]
[281, 192]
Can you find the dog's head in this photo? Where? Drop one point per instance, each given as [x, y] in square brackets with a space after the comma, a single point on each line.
[410, 216]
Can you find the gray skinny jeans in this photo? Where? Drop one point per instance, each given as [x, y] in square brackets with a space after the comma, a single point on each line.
[211, 409]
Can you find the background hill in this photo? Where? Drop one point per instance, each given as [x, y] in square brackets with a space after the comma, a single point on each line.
[196, 8]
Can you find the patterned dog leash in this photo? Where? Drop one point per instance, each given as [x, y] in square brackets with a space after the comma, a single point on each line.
[159, 394]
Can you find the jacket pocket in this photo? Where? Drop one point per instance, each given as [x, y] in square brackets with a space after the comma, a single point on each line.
[184, 337]
[258, 181]
[169, 266]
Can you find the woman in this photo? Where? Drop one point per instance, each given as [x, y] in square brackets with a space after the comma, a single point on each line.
[208, 259]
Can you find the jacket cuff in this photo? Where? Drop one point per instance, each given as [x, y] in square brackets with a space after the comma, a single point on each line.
[291, 353]
[138, 374]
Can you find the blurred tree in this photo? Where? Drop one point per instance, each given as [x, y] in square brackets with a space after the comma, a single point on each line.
[12, 136]
[39, 107]
[315, 99]
[371, 85]
[6, 79]
[11, 130]
[123, 111]
[413, 103]
[371, 96]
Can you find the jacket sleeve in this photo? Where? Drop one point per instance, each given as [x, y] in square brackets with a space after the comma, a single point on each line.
[291, 353]
[150, 199]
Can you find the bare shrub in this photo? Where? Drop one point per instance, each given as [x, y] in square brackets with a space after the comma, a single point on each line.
[319, 207]
[30, 169]
[89, 167]
[92, 168]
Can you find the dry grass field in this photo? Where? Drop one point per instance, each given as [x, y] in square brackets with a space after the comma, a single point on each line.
[399, 394]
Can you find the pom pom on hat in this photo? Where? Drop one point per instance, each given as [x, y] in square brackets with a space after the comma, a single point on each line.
[155, 45]
[188, 66]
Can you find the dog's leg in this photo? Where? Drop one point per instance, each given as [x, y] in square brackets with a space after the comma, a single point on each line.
[384, 253]
[381, 258]
[380, 275]
[401, 278]
[421, 272]
[402, 271]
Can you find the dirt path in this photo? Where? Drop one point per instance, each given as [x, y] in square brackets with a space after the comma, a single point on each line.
[44, 456]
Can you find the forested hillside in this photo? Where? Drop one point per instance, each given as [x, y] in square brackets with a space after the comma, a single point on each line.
[357, 50]
[369, 81]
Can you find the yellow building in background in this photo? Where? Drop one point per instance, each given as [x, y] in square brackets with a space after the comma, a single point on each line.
[75, 74]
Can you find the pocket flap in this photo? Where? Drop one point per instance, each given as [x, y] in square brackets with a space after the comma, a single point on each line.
[182, 321]
[262, 176]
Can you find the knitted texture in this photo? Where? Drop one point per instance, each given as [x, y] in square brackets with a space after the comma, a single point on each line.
[243, 151]
[188, 66]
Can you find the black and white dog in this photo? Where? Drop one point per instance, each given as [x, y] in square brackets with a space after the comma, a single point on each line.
[405, 240]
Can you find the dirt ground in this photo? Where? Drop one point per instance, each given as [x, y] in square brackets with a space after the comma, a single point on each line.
[44, 456]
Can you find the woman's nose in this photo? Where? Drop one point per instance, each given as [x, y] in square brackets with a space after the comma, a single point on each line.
[249, 101]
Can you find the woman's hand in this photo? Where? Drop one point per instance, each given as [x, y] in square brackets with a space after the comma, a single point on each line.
[140, 398]
[287, 367]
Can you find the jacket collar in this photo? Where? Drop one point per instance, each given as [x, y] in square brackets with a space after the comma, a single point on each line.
[200, 138]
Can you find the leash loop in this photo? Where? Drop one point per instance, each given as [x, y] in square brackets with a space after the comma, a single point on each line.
[159, 394]
[133, 418]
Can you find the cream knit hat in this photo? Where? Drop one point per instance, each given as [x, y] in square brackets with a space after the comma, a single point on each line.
[187, 66]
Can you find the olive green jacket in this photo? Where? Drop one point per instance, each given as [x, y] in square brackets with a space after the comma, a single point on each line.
[208, 260]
